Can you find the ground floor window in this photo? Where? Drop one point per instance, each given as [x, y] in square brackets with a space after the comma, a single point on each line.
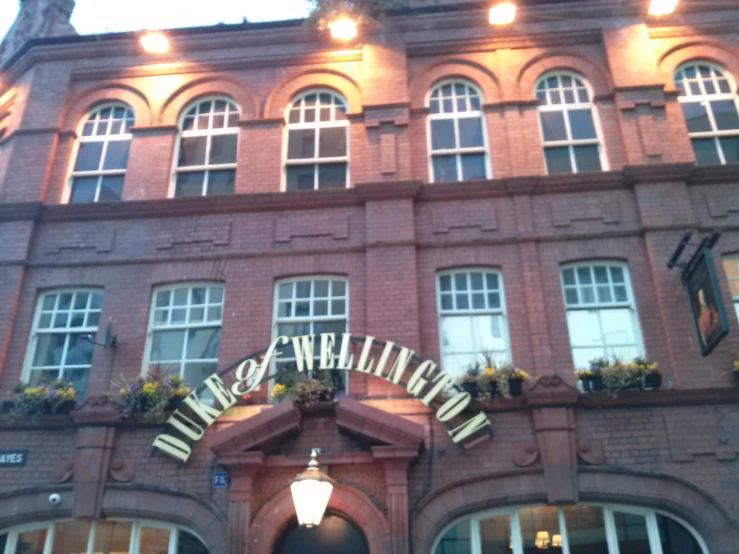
[335, 535]
[595, 529]
[100, 537]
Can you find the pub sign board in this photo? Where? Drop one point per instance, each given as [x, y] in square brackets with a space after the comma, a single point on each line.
[706, 305]
[13, 458]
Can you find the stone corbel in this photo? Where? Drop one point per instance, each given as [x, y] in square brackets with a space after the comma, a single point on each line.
[121, 470]
[591, 451]
[62, 471]
[525, 453]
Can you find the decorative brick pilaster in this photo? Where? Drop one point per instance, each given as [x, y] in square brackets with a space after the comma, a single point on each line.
[242, 468]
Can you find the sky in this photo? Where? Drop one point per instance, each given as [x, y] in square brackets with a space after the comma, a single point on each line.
[107, 16]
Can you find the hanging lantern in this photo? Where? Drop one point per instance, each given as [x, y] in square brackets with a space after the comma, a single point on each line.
[311, 491]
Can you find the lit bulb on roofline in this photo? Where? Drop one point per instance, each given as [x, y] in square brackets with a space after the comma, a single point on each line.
[343, 28]
[154, 42]
[503, 13]
[662, 7]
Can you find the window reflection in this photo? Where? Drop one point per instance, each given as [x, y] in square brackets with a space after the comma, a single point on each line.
[540, 530]
[586, 530]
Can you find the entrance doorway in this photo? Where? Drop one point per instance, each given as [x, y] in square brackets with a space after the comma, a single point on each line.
[335, 535]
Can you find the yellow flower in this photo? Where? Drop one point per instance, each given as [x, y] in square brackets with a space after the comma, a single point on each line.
[279, 390]
[150, 388]
[488, 371]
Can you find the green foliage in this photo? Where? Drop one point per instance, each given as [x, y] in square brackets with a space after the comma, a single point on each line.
[159, 392]
[309, 391]
[364, 12]
[56, 397]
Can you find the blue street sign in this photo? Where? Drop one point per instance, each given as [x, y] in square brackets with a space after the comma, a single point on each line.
[220, 480]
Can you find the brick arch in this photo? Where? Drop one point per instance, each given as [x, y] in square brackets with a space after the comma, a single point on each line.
[79, 105]
[212, 85]
[450, 68]
[664, 492]
[275, 515]
[710, 51]
[281, 95]
[592, 71]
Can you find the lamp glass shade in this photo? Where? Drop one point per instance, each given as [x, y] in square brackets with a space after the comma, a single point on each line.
[503, 13]
[557, 541]
[155, 43]
[662, 7]
[542, 539]
[343, 28]
[311, 498]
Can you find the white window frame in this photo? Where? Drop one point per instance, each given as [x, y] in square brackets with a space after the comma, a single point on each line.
[563, 107]
[209, 133]
[151, 329]
[502, 311]
[105, 139]
[705, 98]
[608, 520]
[630, 302]
[455, 116]
[134, 546]
[33, 336]
[276, 320]
[333, 123]
[734, 297]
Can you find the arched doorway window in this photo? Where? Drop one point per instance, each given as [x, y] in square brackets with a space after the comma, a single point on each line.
[335, 535]
[601, 529]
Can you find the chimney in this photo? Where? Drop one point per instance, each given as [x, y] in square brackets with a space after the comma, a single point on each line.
[37, 19]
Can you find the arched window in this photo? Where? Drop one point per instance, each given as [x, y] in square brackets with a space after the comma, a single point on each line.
[601, 312]
[709, 101]
[456, 131]
[472, 319]
[317, 142]
[58, 346]
[103, 535]
[101, 154]
[579, 529]
[206, 151]
[569, 124]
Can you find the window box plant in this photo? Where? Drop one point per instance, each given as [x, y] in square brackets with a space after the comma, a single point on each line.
[157, 393]
[736, 368]
[651, 376]
[57, 397]
[311, 391]
[591, 378]
[511, 379]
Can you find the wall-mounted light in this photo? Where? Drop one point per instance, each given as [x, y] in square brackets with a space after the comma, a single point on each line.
[155, 42]
[343, 28]
[662, 7]
[542, 540]
[311, 492]
[503, 13]
[557, 541]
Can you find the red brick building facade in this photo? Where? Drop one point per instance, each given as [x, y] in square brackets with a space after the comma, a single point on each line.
[548, 157]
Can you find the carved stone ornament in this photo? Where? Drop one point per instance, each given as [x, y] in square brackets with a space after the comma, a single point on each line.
[121, 470]
[62, 471]
[38, 19]
[591, 451]
[525, 453]
[97, 409]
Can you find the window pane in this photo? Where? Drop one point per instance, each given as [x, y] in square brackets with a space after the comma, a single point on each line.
[49, 350]
[192, 151]
[70, 537]
[223, 149]
[88, 157]
[154, 541]
[83, 189]
[167, 346]
[189, 184]
[301, 143]
[300, 177]
[202, 344]
[696, 117]
[584, 328]
[586, 530]
[487, 333]
[470, 132]
[730, 147]
[332, 142]
[456, 540]
[473, 166]
[558, 160]
[331, 176]
[442, 134]
[79, 351]
[188, 543]
[587, 158]
[112, 537]
[724, 112]
[632, 533]
[110, 188]
[31, 542]
[196, 372]
[675, 538]
[221, 182]
[705, 151]
[553, 126]
[581, 124]
[618, 327]
[445, 168]
[116, 156]
[539, 527]
[495, 535]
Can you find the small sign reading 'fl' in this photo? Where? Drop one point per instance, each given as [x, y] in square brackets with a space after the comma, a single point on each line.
[13, 458]
[220, 479]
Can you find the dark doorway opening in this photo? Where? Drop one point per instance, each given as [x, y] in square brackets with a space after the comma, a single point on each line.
[335, 535]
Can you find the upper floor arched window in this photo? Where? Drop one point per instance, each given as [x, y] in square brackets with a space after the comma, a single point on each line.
[317, 142]
[456, 129]
[569, 124]
[709, 102]
[101, 154]
[205, 157]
